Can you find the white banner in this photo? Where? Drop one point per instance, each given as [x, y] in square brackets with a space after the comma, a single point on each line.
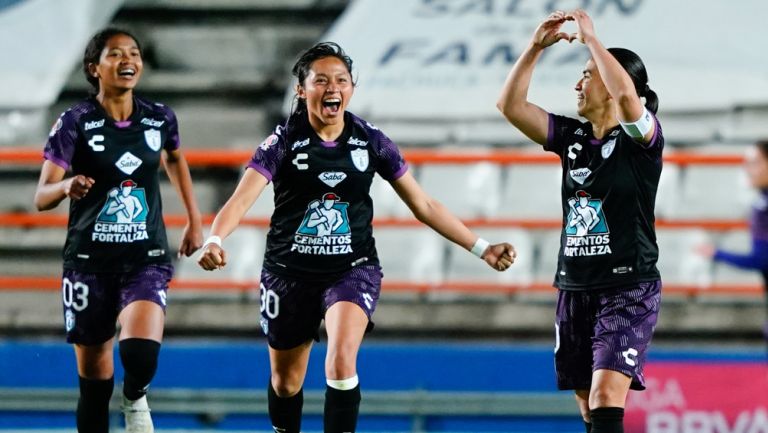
[447, 59]
[41, 41]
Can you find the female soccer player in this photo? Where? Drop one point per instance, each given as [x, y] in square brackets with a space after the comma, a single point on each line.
[103, 154]
[321, 261]
[756, 167]
[609, 287]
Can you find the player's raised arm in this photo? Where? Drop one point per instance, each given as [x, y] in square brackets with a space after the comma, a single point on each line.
[513, 102]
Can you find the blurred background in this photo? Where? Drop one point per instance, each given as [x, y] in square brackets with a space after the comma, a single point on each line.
[457, 347]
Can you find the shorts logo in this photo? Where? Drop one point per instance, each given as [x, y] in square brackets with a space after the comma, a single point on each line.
[360, 159]
[324, 230]
[69, 320]
[123, 218]
[153, 139]
[629, 356]
[586, 229]
[163, 297]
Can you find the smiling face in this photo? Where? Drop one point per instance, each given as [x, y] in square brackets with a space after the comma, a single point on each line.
[119, 67]
[327, 90]
[592, 96]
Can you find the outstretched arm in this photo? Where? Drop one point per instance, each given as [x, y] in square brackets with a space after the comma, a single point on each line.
[432, 213]
[513, 103]
[629, 107]
[246, 193]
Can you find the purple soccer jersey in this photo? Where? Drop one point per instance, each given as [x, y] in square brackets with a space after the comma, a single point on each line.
[118, 225]
[608, 330]
[322, 223]
[92, 301]
[291, 311]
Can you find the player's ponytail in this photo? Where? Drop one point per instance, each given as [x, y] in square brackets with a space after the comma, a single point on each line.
[634, 66]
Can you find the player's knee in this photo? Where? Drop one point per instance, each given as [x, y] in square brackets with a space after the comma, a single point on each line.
[340, 366]
[139, 358]
[604, 397]
[286, 385]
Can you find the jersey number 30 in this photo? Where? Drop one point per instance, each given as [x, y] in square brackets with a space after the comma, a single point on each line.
[270, 302]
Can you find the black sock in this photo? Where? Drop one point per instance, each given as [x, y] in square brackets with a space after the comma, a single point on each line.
[341, 408]
[588, 427]
[607, 420]
[93, 405]
[139, 358]
[285, 413]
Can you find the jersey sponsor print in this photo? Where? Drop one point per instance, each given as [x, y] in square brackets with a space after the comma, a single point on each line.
[586, 231]
[123, 218]
[325, 229]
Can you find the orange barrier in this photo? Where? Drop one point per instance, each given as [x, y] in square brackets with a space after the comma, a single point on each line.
[238, 158]
[50, 284]
[45, 219]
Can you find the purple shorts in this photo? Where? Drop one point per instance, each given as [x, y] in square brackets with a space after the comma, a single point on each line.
[606, 330]
[291, 311]
[92, 301]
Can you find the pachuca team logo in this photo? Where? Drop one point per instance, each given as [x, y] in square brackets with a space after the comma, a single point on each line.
[123, 219]
[324, 230]
[586, 230]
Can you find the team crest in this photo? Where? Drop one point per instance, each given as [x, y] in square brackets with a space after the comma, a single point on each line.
[607, 148]
[153, 139]
[360, 159]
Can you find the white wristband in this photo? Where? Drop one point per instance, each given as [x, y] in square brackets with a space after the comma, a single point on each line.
[479, 247]
[212, 240]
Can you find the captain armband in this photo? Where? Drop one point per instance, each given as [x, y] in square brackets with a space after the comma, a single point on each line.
[639, 128]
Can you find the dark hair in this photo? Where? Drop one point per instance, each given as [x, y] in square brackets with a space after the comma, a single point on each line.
[634, 66]
[96, 46]
[762, 146]
[301, 69]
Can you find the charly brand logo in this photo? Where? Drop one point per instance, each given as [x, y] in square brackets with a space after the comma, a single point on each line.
[128, 163]
[93, 125]
[152, 122]
[332, 178]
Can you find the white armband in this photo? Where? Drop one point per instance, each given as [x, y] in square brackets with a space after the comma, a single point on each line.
[479, 247]
[640, 127]
[212, 240]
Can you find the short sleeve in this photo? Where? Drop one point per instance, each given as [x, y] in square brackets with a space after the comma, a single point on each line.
[60, 147]
[268, 156]
[560, 127]
[172, 139]
[391, 164]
